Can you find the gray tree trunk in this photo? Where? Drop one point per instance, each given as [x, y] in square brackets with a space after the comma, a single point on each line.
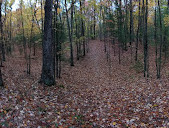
[1, 81]
[47, 76]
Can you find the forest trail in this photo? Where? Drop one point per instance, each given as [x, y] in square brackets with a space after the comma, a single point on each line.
[108, 93]
[93, 93]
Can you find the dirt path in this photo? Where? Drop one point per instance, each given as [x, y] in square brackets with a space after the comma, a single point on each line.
[119, 99]
[88, 95]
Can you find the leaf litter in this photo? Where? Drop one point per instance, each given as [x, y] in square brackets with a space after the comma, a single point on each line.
[94, 93]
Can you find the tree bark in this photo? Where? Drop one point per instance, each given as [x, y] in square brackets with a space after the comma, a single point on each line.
[126, 25]
[82, 30]
[94, 25]
[23, 31]
[131, 28]
[47, 76]
[70, 31]
[155, 38]
[146, 73]
[42, 17]
[1, 80]
[161, 41]
[138, 30]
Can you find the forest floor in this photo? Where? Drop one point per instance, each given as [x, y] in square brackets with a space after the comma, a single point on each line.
[93, 93]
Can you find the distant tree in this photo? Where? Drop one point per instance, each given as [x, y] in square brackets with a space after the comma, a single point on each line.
[77, 35]
[126, 25]
[155, 37]
[161, 41]
[10, 31]
[82, 28]
[70, 31]
[23, 30]
[146, 65]
[42, 20]
[57, 38]
[94, 19]
[2, 36]
[33, 13]
[47, 76]
[120, 30]
[131, 27]
[100, 23]
[138, 30]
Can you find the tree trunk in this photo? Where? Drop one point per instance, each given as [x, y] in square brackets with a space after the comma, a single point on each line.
[120, 30]
[161, 42]
[47, 76]
[146, 73]
[138, 30]
[94, 27]
[23, 31]
[77, 37]
[70, 31]
[155, 39]
[82, 30]
[10, 34]
[42, 17]
[126, 25]
[131, 28]
[100, 24]
[1, 80]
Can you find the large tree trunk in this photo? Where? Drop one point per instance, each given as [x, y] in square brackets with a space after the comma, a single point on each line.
[47, 76]
[1, 81]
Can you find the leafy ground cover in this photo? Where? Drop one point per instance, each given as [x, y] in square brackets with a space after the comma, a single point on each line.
[94, 93]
